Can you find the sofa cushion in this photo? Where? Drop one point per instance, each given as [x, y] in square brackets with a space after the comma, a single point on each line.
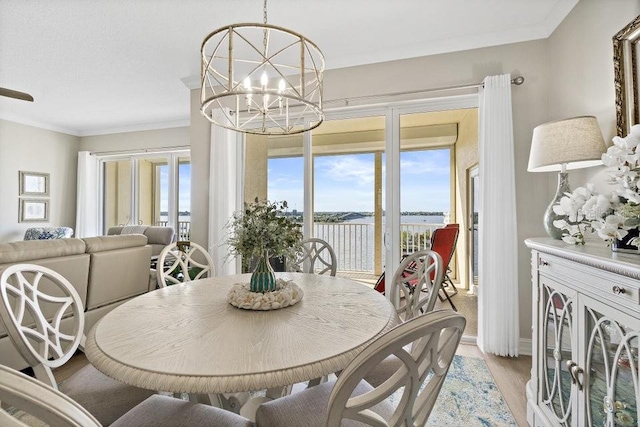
[157, 236]
[25, 251]
[118, 274]
[108, 243]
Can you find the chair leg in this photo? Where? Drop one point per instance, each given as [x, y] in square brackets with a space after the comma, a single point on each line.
[446, 294]
[446, 282]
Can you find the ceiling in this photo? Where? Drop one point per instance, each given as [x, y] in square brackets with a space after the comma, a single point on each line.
[97, 66]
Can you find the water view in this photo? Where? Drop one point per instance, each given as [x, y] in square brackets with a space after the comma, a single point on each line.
[353, 239]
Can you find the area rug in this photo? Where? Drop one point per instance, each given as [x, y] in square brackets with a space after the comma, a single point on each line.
[470, 397]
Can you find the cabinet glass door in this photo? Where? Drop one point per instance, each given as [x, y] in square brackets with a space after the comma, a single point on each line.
[558, 347]
[612, 387]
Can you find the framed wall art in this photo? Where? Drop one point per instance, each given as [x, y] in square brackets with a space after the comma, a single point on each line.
[626, 66]
[34, 184]
[34, 210]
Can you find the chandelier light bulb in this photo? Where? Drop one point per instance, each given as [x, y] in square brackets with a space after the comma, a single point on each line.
[281, 87]
[265, 103]
[264, 80]
[247, 87]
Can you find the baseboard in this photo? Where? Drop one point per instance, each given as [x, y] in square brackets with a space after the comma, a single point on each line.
[469, 340]
[525, 347]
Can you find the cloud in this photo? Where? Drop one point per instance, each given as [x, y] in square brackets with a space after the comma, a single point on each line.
[356, 169]
[432, 162]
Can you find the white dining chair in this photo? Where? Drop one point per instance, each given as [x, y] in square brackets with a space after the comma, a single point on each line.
[32, 402]
[406, 398]
[316, 257]
[182, 262]
[44, 317]
[28, 397]
[416, 283]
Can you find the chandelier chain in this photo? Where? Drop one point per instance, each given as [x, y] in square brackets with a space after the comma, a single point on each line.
[264, 11]
[264, 33]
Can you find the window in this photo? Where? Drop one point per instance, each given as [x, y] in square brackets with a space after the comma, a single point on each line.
[147, 190]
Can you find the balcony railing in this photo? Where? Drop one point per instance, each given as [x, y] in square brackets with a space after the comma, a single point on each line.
[184, 229]
[353, 243]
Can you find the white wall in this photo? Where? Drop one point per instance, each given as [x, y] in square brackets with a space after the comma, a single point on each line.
[26, 148]
[581, 69]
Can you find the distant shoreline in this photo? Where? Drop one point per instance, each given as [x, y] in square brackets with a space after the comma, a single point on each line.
[363, 214]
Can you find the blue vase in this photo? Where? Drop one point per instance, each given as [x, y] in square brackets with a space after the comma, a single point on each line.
[263, 279]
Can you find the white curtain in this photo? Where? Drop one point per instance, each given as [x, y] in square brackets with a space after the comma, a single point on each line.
[87, 195]
[498, 325]
[223, 194]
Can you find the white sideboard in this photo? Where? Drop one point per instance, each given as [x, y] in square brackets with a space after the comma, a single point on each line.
[586, 320]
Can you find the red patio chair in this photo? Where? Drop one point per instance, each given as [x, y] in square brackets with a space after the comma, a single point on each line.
[443, 241]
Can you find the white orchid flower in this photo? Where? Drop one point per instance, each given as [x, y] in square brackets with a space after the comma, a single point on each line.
[617, 142]
[560, 224]
[596, 206]
[609, 232]
[569, 239]
[635, 131]
[557, 209]
[614, 221]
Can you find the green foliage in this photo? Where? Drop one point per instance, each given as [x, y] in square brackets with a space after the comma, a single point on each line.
[263, 228]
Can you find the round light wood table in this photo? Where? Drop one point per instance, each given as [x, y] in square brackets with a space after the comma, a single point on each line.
[188, 338]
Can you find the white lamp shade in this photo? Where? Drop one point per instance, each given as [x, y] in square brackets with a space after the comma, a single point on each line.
[575, 142]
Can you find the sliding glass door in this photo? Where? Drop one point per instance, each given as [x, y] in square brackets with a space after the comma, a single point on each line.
[147, 190]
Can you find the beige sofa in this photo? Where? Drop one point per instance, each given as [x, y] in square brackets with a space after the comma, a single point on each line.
[106, 271]
[158, 237]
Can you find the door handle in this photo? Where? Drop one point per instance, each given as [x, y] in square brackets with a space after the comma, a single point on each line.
[575, 371]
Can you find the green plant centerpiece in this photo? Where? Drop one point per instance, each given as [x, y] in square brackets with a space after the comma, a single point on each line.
[260, 231]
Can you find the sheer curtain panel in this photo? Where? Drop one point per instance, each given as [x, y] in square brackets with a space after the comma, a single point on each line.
[498, 324]
[87, 195]
[223, 194]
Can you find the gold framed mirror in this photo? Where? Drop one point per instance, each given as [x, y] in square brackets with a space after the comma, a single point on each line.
[625, 69]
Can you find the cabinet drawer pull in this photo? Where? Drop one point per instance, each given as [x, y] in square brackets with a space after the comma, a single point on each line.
[618, 290]
[544, 263]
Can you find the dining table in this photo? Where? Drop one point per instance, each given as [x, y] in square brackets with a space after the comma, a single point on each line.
[187, 338]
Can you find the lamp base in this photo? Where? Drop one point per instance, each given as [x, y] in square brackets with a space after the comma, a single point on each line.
[549, 215]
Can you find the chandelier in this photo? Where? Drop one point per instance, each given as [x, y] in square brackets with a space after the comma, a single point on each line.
[263, 79]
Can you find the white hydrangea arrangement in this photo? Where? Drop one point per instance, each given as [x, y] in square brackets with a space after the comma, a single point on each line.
[612, 215]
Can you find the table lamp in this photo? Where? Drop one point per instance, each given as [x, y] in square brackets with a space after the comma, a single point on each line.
[560, 146]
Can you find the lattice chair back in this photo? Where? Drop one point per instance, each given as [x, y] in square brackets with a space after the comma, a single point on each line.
[46, 404]
[182, 262]
[316, 257]
[417, 281]
[425, 346]
[36, 302]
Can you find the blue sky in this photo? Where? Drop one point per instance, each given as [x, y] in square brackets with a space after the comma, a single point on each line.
[345, 182]
[184, 187]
